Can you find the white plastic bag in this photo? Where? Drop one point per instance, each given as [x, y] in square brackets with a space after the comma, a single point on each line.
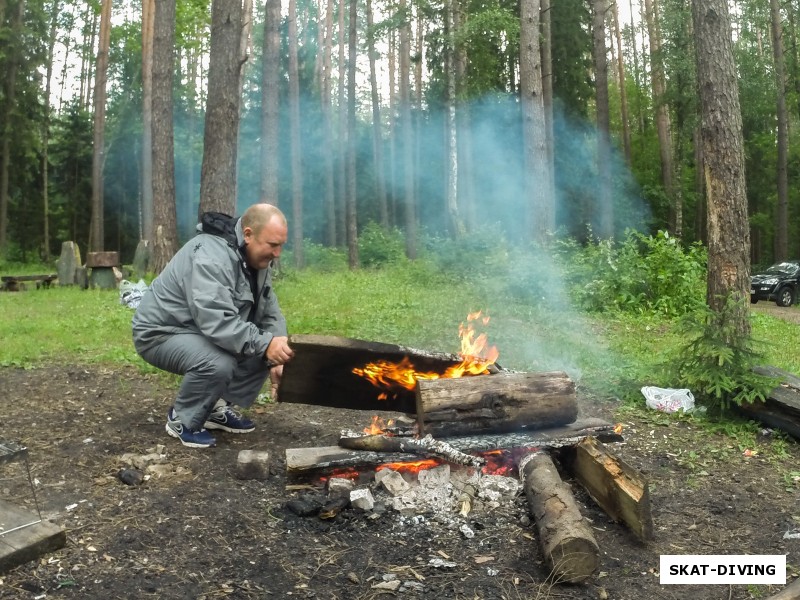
[668, 400]
[130, 294]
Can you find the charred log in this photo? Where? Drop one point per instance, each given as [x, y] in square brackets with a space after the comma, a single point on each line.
[571, 552]
[498, 403]
[305, 461]
[321, 373]
[426, 446]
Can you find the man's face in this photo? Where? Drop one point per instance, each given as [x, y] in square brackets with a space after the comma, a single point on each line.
[261, 247]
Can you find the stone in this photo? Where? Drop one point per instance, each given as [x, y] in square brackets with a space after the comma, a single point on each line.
[362, 499]
[68, 263]
[82, 277]
[340, 486]
[394, 483]
[252, 464]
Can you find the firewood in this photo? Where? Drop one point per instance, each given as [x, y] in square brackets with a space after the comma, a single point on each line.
[426, 446]
[614, 485]
[305, 461]
[569, 548]
[498, 403]
[790, 592]
[781, 409]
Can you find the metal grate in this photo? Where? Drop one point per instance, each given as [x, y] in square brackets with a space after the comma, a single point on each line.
[12, 452]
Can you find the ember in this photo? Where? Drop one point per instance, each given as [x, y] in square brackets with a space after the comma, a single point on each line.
[476, 359]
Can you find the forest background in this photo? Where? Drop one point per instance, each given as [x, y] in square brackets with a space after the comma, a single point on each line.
[399, 114]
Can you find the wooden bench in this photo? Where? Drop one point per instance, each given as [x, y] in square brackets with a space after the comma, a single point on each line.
[15, 283]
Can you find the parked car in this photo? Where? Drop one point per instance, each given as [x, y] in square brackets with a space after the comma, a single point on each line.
[780, 283]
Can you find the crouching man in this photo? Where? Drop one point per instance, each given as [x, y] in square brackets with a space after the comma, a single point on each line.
[212, 316]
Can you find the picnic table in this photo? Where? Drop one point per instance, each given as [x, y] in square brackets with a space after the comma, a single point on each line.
[15, 283]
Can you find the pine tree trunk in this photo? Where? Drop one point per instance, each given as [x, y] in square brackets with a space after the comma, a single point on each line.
[663, 126]
[377, 137]
[164, 211]
[406, 127]
[782, 208]
[146, 209]
[98, 155]
[341, 164]
[218, 171]
[723, 153]
[623, 92]
[541, 209]
[456, 224]
[604, 209]
[8, 102]
[270, 107]
[296, 150]
[547, 94]
[350, 202]
[326, 91]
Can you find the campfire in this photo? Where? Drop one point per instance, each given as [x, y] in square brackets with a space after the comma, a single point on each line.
[467, 431]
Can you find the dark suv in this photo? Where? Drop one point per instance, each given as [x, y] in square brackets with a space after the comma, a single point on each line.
[778, 283]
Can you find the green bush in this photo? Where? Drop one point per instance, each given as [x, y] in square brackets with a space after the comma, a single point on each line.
[641, 274]
[717, 361]
[380, 246]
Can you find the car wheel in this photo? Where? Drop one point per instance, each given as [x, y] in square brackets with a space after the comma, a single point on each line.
[753, 299]
[785, 296]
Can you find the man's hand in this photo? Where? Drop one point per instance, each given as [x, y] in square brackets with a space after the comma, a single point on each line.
[278, 352]
[275, 374]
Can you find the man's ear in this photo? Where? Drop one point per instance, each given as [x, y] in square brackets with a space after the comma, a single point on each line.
[247, 232]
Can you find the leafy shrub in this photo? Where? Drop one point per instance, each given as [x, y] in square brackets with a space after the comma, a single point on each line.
[380, 246]
[641, 274]
[717, 362]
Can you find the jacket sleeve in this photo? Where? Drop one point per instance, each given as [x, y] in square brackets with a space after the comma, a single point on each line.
[215, 302]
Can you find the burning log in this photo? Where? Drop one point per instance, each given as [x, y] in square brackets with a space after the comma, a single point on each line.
[304, 461]
[426, 446]
[321, 373]
[614, 485]
[566, 539]
[495, 403]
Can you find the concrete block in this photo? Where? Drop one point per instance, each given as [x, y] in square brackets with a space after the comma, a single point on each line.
[362, 499]
[252, 464]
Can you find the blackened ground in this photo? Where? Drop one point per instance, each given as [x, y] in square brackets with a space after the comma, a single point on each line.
[198, 532]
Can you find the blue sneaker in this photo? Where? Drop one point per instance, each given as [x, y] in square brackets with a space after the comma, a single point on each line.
[225, 418]
[192, 439]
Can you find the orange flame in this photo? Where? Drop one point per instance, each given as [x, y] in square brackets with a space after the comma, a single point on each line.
[410, 467]
[618, 428]
[475, 356]
[378, 426]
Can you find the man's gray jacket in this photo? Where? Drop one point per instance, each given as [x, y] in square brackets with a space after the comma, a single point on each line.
[208, 289]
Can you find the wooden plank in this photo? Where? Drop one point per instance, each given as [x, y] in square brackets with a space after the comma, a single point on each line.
[781, 410]
[303, 461]
[321, 373]
[615, 486]
[501, 402]
[102, 259]
[27, 537]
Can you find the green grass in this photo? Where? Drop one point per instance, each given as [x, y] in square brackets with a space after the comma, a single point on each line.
[614, 354]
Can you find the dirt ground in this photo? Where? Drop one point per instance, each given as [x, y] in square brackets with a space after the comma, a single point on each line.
[198, 532]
